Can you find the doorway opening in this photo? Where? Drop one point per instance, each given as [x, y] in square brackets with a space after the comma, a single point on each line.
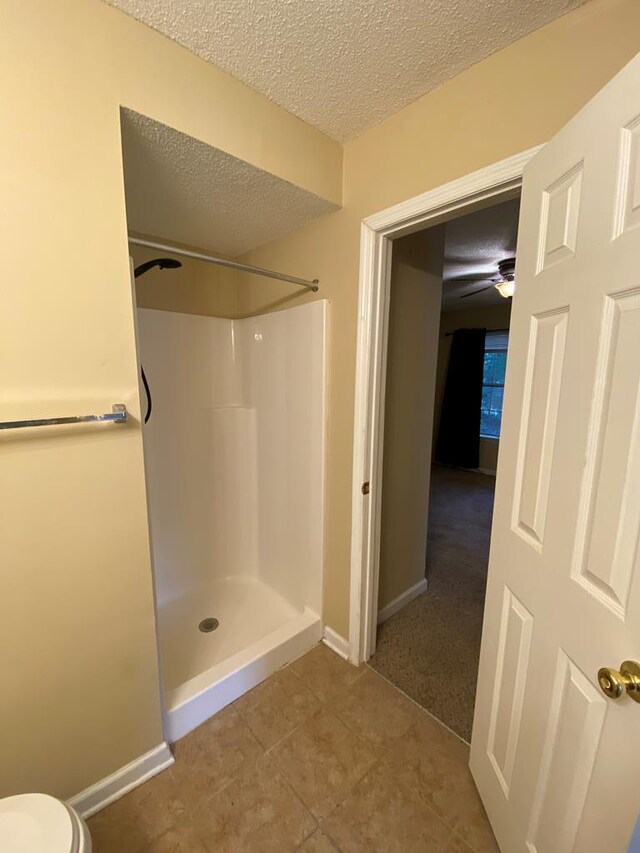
[446, 359]
[476, 191]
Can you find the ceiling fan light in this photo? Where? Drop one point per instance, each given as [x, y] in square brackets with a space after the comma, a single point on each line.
[506, 288]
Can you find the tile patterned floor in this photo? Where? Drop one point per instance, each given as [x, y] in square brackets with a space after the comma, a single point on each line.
[321, 757]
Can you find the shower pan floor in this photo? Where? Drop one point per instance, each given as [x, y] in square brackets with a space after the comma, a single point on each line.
[259, 631]
[247, 609]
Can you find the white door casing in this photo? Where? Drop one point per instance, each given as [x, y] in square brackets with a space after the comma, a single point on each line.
[490, 185]
[555, 761]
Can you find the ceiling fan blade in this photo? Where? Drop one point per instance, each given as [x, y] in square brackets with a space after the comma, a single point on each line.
[478, 276]
[479, 290]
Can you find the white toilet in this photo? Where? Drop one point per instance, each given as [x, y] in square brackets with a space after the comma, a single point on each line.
[38, 823]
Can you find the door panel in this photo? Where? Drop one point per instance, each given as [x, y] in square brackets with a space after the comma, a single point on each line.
[554, 759]
[514, 645]
[540, 410]
[559, 219]
[573, 729]
[609, 513]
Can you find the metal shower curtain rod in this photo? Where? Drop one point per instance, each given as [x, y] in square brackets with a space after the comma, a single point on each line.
[234, 265]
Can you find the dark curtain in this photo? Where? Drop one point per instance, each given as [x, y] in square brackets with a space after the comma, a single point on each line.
[458, 441]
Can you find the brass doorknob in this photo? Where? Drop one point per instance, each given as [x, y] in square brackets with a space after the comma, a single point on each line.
[613, 683]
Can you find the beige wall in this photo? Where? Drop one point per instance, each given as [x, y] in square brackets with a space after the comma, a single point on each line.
[511, 101]
[414, 317]
[490, 317]
[489, 455]
[80, 692]
[195, 288]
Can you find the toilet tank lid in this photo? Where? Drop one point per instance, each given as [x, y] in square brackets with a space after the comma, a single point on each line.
[36, 823]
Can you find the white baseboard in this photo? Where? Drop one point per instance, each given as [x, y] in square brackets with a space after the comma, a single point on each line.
[489, 471]
[335, 642]
[111, 788]
[402, 600]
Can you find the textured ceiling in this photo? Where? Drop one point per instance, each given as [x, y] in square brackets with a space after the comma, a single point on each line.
[344, 65]
[475, 244]
[183, 190]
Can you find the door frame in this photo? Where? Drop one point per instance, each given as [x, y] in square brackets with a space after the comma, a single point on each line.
[486, 187]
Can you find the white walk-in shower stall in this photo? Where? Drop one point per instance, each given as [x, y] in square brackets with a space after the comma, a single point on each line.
[234, 446]
[234, 454]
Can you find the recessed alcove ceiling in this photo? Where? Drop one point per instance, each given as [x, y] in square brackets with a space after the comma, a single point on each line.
[343, 66]
[182, 190]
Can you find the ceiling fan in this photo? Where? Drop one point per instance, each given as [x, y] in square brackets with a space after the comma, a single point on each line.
[504, 282]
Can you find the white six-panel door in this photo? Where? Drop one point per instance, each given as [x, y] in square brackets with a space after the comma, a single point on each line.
[556, 762]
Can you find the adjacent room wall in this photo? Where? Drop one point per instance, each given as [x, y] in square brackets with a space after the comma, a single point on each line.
[515, 99]
[80, 691]
[491, 318]
[414, 318]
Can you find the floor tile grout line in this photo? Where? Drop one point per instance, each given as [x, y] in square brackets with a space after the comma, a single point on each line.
[323, 705]
[259, 688]
[376, 760]
[326, 832]
[379, 764]
[320, 828]
[379, 758]
[322, 822]
[236, 778]
[307, 837]
[268, 749]
[295, 728]
[289, 785]
[418, 705]
[331, 711]
[348, 687]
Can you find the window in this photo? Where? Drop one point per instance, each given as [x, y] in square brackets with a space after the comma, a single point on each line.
[495, 363]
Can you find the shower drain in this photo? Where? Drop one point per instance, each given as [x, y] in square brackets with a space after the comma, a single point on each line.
[208, 624]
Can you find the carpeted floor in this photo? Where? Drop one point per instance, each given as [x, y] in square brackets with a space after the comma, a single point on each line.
[430, 649]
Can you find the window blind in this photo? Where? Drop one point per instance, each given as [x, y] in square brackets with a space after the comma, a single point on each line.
[497, 340]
